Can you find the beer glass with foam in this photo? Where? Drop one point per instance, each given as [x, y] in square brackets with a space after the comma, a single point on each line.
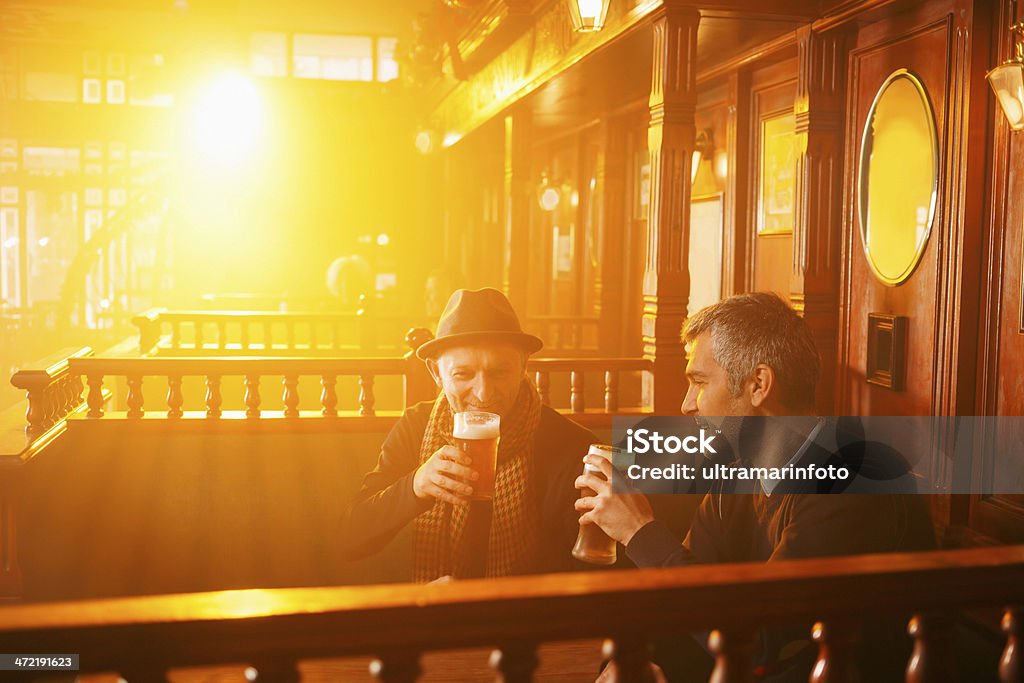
[592, 544]
[476, 433]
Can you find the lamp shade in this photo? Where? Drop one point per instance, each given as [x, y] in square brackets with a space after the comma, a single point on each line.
[1007, 82]
[588, 15]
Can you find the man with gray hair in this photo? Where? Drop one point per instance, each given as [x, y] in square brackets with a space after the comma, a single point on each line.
[752, 355]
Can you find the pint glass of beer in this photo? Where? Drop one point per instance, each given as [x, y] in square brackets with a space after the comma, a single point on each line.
[592, 544]
[476, 434]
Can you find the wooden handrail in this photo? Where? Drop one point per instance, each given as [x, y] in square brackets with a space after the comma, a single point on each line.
[53, 392]
[162, 331]
[279, 627]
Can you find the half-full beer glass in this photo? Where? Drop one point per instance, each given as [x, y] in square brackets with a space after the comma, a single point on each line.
[476, 434]
[592, 544]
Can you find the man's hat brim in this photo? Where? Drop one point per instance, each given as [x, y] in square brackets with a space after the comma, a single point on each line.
[527, 342]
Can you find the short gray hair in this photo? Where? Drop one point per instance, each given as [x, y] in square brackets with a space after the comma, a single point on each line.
[750, 329]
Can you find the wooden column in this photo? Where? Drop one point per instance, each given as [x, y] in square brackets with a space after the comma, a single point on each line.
[737, 237]
[611, 184]
[670, 144]
[814, 282]
[518, 194]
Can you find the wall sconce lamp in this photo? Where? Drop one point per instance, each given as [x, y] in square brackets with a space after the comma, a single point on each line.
[548, 195]
[703, 146]
[1007, 81]
[588, 15]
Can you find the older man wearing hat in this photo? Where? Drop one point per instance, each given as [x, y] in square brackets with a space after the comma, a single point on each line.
[478, 360]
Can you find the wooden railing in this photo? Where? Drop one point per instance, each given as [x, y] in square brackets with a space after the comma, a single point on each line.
[53, 392]
[267, 333]
[272, 630]
[578, 368]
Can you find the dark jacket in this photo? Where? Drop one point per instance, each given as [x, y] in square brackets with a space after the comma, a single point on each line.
[386, 502]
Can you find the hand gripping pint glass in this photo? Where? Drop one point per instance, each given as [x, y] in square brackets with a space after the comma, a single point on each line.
[592, 544]
[476, 434]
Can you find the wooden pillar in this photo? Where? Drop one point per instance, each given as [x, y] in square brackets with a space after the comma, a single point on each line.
[670, 139]
[738, 237]
[814, 282]
[518, 194]
[611, 183]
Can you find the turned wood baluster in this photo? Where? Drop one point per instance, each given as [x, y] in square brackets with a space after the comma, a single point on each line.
[36, 413]
[252, 396]
[95, 398]
[576, 399]
[174, 397]
[1011, 664]
[629, 655]
[291, 396]
[199, 336]
[329, 396]
[67, 389]
[401, 667]
[366, 397]
[175, 335]
[733, 652]
[276, 671]
[134, 397]
[222, 334]
[213, 398]
[514, 663]
[611, 391]
[76, 391]
[544, 387]
[933, 660]
[836, 642]
[244, 334]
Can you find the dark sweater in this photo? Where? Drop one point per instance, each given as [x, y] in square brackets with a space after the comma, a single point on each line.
[386, 502]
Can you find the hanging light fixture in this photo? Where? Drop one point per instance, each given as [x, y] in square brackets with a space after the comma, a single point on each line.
[1007, 81]
[588, 15]
[703, 147]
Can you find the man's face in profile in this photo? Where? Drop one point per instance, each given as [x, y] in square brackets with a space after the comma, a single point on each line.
[480, 377]
[708, 394]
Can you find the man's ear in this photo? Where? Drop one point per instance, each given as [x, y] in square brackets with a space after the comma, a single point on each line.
[761, 385]
[434, 370]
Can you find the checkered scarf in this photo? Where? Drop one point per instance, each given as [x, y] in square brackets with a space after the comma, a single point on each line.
[438, 547]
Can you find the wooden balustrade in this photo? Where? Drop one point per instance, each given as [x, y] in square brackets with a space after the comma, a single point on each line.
[542, 368]
[272, 630]
[179, 333]
[252, 370]
[53, 393]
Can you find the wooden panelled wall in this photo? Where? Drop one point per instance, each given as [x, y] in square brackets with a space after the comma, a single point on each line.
[963, 302]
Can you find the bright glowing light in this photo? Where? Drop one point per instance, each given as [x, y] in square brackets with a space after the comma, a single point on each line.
[227, 119]
[251, 674]
[43, 241]
[549, 199]
[451, 138]
[590, 9]
[574, 199]
[10, 242]
[383, 240]
[425, 142]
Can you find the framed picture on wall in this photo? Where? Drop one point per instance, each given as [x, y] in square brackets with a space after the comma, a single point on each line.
[777, 182]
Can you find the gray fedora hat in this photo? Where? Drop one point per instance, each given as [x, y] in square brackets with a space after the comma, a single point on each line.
[477, 317]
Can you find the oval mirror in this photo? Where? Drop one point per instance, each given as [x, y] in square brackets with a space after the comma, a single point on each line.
[898, 176]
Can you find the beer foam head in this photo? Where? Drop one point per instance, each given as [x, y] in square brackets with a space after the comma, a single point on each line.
[476, 425]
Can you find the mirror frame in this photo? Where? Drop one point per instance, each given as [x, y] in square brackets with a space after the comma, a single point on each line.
[862, 198]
